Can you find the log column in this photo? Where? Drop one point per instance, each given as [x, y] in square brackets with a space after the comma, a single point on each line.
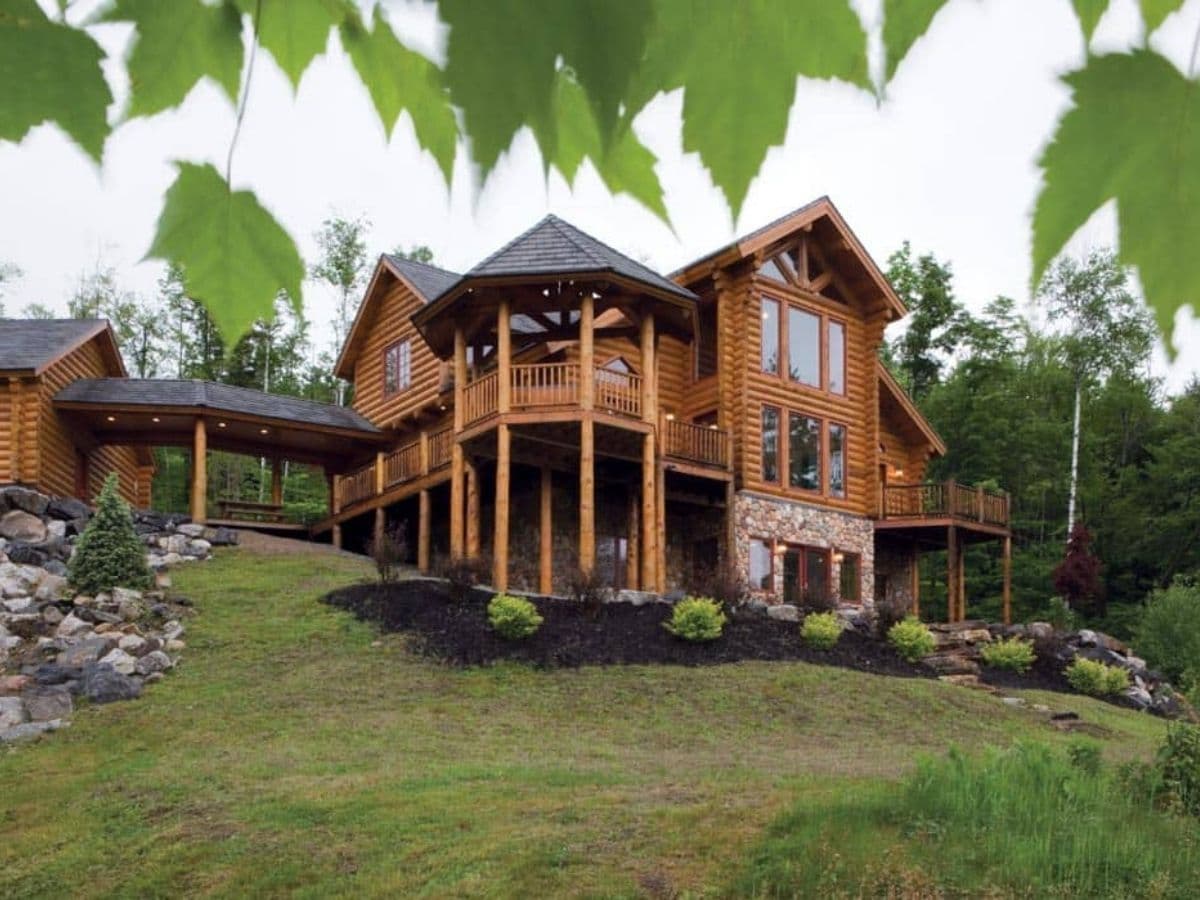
[423, 523]
[199, 472]
[1006, 564]
[503, 449]
[457, 537]
[380, 515]
[473, 514]
[335, 507]
[962, 583]
[276, 481]
[587, 434]
[915, 580]
[631, 540]
[952, 582]
[546, 533]
[649, 529]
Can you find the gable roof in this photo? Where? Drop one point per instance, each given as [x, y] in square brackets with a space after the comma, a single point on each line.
[796, 220]
[31, 345]
[424, 280]
[553, 246]
[190, 394]
[891, 387]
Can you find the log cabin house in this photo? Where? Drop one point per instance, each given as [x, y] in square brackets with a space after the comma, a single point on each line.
[562, 406]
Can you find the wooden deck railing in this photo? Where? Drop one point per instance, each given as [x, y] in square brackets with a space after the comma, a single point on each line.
[619, 393]
[481, 397]
[356, 486]
[696, 443]
[946, 499]
[440, 443]
[403, 464]
[545, 384]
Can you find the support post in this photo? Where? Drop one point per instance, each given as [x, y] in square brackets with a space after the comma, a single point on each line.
[649, 389]
[546, 533]
[457, 537]
[473, 516]
[276, 481]
[199, 472]
[423, 524]
[730, 558]
[962, 584]
[500, 534]
[587, 494]
[649, 516]
[915, 585]
[660, 539]
[335, 507]
[504, 357]
[631, 540]
[380, 515]
[587, 352]
[951, 574]
[1006, 565]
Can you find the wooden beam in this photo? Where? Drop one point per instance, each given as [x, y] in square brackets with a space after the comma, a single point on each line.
[730, 555]
[473, 523]
[504, 357]
[660, 538]
[962, 584]
[587, 495]
[1006, 565]
[199, 504]
[649, 516]
[500, 534]
[587, 352]
[952, 583]
[649, 389]
[276, 481]
[457, 537]
[423, 525]
[546, 533]
[631, 540]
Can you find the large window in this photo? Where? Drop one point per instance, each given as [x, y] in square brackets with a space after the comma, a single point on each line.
[770, 443]
[837, 460]
[761, 566]
[397, 367]
[804, 347]
[837, 357]
[770, 336]
[804, 452]
[805, 574]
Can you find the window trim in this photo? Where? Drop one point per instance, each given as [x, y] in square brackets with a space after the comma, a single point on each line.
[827, 450]
[785, 299]
[786, 339]
[780, 444]
[402, 384]
[828, 321]
[804, 550]
[783, 453]
[780, 346]
[819, 490]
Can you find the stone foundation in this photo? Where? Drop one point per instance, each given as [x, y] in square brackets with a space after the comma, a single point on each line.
[893, 572]
[781, 521]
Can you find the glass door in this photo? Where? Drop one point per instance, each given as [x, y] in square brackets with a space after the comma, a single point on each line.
[793, 577]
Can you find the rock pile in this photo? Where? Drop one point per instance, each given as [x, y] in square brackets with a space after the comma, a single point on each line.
[56, 645]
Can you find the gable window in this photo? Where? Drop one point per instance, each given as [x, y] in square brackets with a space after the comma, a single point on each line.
[837, 460]
[836, 358]
[770, 443]
[397, 367]
[770, 336]
[804, 347]
[804, 452]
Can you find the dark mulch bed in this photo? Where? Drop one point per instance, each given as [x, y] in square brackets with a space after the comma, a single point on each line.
[622, 634]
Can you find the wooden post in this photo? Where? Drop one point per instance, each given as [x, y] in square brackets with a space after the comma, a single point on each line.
[380, 515]
[915, 584]
[473, 514]
[587, 494]
[1006, 565]
[649, 516]
[500, 533]
[951, 574]
[546, 533]
[631, 540]
[423, 523]
[276, 481]
[335, 507]
[730, 558]
[962, 583]
[423, 452]
[504, 357]
[587, 352]
[199, 472]
[660, 539]
[457, 537]
[649, 389]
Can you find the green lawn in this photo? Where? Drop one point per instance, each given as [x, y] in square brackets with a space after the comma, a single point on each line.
[295, 752]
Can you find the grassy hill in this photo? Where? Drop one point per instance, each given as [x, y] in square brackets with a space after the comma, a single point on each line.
[296, 751]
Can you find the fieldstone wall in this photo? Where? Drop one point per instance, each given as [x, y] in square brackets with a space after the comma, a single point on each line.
[795, 522]
[894, 565]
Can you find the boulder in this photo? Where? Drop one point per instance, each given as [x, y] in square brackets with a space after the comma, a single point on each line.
[13, 684]
[1040, 630]
[83, 653]
[24, 500]
[172, 631]
[18, 525]
[191, 529]
[950, 664]
[104, 684]
[53, 673]
[12, 712]
[29, 730]
[175, 646]
[28, 554]
[634, 598]
[221, 537]
[71, 626]
[19, 605]
[132, 644]
[67, 509]
[47, 703]
[155, 661]
[1140, 696]
[51, 588]
[56, 567]
[783, 612]
[120, 661]
[198, 549]
[52, 615]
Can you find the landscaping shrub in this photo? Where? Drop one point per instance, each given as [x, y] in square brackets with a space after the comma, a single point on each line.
[513, 617]
[1077, 577]
[887, 614]
[1060, 615]
[1168, 635]
[821, 630]
[1013, 654]
[1179, 765]
[696, 619]
[1095, 678]
[589, 590]
[389, 552]
[462, 573]
[911, 638]
[109, 553]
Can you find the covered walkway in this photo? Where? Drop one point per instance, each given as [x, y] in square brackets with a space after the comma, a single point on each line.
[204, 415]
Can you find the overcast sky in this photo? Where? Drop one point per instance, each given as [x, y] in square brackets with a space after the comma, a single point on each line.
[947, 162]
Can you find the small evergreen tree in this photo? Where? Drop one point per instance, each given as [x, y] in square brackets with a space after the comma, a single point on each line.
[1077, 578]
[109, 553]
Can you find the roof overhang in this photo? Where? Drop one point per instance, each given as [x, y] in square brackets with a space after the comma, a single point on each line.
[108, 348]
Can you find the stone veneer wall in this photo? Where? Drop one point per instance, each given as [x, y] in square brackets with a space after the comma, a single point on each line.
[896, 564]
[795, 522]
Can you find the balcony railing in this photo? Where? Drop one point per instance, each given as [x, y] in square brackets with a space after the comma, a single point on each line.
[357, 486]
[440, 443]
[480, 398]
[545, 384]
[943, 500]
[696, 443]
[553, 385]
[402, 465]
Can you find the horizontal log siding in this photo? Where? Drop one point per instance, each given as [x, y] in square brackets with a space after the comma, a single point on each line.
[54, 449]
[391, 323]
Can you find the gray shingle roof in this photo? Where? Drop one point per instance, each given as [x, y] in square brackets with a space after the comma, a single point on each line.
[553, 246]
[209, 395]
[430, 281]
[28, 344]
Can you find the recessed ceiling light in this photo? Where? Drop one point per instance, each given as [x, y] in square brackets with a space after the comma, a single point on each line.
[263, 430]
[111, 418]
[156, 419]
[220, 424]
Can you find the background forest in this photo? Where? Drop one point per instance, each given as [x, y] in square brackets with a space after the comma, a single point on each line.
[1002, 387]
